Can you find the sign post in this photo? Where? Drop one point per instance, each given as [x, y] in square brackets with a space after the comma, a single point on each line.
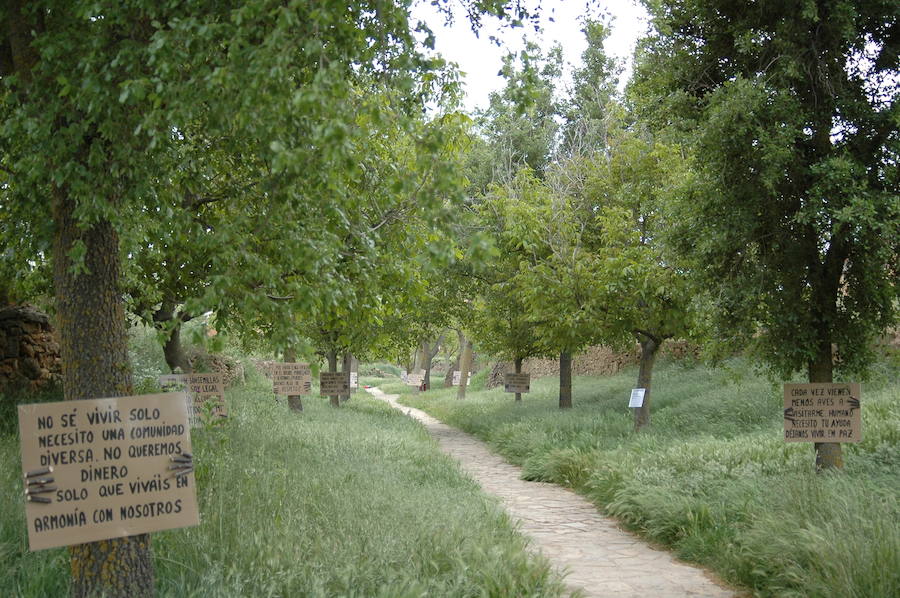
[106, 468]
[517, 383]
[202, 389]
[822, 412]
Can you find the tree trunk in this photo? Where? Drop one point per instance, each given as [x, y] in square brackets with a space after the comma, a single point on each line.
[465, 364]
[295, 402]
[94, 351]
[174, 353]
[448, 379]
[346, 367]
[332, 367]
[649, 347]
[821, 369]
[518, 365]
[565, 380]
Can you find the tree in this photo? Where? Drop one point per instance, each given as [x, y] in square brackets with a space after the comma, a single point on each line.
[794, 112]
[94, 98]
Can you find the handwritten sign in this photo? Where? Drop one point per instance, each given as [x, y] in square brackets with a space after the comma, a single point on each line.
[333, 383]
[354, 380]
[291, 378]
[457, 376]
[202, 389]
[516, 382]
[415, 379]
[637, 397]
[822, 412]
[110, 461]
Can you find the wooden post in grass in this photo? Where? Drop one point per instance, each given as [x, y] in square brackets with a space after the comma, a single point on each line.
[346, 367]
[295, 402]
[518, 364]
[332, 367]
[465, 364]
[565, 379]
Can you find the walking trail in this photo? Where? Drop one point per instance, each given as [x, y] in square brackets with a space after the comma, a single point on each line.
[599, 559]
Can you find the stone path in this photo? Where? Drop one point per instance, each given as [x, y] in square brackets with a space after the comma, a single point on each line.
[599, 559]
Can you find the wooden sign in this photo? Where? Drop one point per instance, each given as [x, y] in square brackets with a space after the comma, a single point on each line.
[822, 412]
[111, 463]
[637, 397]
[415, 379]
[202, 389]
[457, 376]
[516, 382]
[291, 378]
[333, 383]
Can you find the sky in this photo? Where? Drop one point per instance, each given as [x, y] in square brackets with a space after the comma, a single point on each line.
[480, 59]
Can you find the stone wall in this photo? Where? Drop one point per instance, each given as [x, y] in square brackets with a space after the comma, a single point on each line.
[29, 353]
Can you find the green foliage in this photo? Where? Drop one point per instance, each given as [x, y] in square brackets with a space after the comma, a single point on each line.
[713, 479]
[793, 232]
[281, 495]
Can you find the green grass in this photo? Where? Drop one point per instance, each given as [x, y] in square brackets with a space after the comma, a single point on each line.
[713, 478]
[354, 501]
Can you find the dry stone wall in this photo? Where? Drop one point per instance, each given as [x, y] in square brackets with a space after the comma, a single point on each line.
[29, 353]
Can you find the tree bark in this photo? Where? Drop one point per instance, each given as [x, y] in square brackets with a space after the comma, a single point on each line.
[332, 367]
[295, 402]
[565, 380]
[91, 320]
[649, 348]
[346, 367]
[174, 353]
[448, 379]
[465, 364]
[821, 369]
[518, 366]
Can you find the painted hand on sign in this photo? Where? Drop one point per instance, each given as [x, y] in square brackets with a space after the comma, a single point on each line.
[182, 464]
[37, 484]
[789, 414]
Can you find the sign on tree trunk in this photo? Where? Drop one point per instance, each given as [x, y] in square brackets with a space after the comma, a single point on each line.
[106, 468]
[516, 382]
[637, 397]
[822, 412]
[202, 389]
[415, 379]
[457, 376]
[291, 378]
[333, 383]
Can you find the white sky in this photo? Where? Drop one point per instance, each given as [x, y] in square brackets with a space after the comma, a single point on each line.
[480, 59]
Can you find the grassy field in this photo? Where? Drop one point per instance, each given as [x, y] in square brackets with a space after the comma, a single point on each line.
[354, 501]
[713, 479]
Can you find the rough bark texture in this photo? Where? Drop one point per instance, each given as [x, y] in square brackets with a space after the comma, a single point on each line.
[332, 367]
[518, 366]
[565, 380]
[295, 402]
[821, 369]
[649, 347]
[346, 368]
[95, 364]
[448, 378]
[465, 364]
[174, 353]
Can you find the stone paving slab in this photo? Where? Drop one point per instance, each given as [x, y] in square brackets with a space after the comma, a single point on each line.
[598, 558]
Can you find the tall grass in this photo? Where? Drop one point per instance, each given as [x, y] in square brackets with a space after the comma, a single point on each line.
[355, 501]
[713, 479]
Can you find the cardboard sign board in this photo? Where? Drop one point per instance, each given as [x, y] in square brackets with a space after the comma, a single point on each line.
[516, 382]
[333, 383]
[415, 379]
[822, 412]
[291, 378]
[404, 376]
[202, 388]
[637, 397]
[457, 376]
[110, 461]
[354, 379]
